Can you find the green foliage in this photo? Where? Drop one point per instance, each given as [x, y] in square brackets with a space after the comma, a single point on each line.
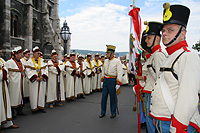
[197, 46]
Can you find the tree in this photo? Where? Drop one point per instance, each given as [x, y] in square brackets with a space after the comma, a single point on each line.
[197, 46]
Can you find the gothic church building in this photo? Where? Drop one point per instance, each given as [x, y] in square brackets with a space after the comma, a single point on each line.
[29, 23]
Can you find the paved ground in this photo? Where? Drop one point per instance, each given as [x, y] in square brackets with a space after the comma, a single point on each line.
[81, 116]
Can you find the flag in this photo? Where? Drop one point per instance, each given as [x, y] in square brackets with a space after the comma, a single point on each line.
[135, 34]
[135, 51]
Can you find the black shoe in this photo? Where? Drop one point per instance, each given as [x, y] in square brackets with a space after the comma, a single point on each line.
[34, 112]
[113, 116]
[101, 115]
[143, 125]
[22, 114]
[42, 110]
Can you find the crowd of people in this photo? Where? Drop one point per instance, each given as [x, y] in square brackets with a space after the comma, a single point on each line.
[47, 82]
[169, 83]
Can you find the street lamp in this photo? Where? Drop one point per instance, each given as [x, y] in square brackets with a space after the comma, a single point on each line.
[65, 35]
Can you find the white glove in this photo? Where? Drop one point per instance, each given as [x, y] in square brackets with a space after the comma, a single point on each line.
[134, 90]
[102, 84]
[117, 87]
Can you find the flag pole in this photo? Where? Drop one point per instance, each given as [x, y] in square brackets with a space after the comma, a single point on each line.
[138, 95]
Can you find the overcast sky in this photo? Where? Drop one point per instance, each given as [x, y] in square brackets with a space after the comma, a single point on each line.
[95, 23]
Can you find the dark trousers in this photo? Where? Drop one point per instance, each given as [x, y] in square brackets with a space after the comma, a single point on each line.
[109, 88]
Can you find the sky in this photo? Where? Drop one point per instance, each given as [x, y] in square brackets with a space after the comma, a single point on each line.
[96, 23]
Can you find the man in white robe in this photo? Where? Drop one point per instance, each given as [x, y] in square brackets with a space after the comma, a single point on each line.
[102, 61]
[72, 72]
[16, 82]
[5, 107]
[81, 77]
[97, 69]
[26, 80]
[89, 74]
[55, 91]
[37, 72]
[125, 73]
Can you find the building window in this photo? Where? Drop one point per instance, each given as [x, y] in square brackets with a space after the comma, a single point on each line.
[11, 25]
[34, 31]
[50, 10]
[35, 4]
[15, 26]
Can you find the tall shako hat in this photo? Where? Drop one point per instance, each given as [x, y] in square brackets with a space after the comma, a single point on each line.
[53, 52]
[110, 48]
[175, 14]
[26, 51]
[143, 42]
[18, 50]
[36, 49]
[153, 28]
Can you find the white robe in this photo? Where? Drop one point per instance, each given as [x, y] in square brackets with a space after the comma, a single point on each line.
[16, 83]
[26, 80]
[125, 75]
[88, 78]
[54, 78]
[5, 107]
[97, 77]
[37, 89]
[71, 87]
[101, 73]
[81, 80]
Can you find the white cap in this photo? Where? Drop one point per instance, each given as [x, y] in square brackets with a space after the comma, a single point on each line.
[18, 48]
[36, 48]
[80, 56]
[53, 51]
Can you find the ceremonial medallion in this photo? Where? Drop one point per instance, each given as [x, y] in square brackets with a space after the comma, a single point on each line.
[37, 70]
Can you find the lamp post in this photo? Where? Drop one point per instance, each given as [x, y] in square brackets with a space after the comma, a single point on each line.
[65, 35]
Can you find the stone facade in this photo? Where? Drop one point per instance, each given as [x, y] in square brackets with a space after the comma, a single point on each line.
[29, 23]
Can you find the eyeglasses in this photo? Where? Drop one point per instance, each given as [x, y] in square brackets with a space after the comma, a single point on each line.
[168, 30]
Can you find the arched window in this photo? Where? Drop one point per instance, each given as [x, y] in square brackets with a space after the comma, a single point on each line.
[15, 25]
[34, 31]
[11, 25]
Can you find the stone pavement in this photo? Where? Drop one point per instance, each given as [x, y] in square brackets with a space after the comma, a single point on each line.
[81, 116]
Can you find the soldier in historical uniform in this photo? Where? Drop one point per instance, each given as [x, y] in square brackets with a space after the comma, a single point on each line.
[37, 72]
[152, 66]
[16, 81]
[112, 77]
[55, 92]
[174, 102]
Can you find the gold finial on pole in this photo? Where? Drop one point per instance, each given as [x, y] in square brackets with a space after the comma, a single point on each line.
[134, 4]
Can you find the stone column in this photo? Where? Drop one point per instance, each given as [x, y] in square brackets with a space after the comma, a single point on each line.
[29, 23]
[56, 27]
[5, 29]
